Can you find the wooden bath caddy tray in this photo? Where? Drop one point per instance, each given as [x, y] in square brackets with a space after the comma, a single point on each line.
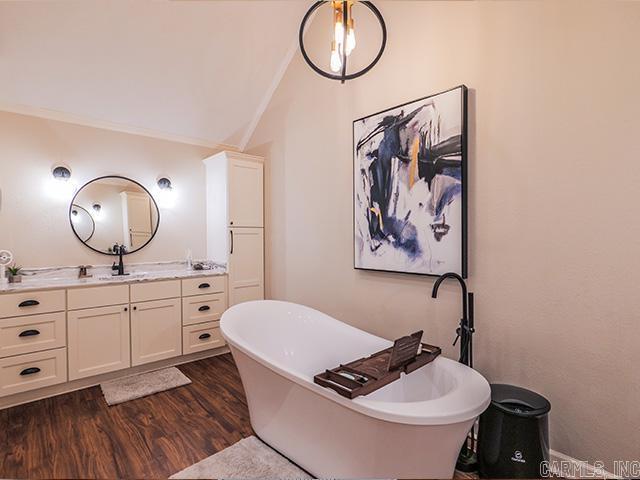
[369, 374]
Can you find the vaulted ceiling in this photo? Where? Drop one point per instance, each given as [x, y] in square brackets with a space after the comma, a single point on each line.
[196, 69]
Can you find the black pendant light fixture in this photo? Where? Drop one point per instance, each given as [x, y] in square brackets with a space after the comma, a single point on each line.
[344, 38]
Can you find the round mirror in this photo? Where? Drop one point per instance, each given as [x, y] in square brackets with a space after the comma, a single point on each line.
[82, 222]
[114, 211]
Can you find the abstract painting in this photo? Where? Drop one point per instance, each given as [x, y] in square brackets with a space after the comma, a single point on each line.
[409, 187]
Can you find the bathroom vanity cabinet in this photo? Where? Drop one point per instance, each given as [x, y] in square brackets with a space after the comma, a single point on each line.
[235, 221]
[98, 340]
[58, 340]
[156, 321]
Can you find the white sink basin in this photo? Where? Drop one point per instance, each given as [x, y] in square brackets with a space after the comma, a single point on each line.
[130, 276]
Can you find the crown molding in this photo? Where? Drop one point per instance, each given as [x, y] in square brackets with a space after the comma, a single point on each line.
[106, 125]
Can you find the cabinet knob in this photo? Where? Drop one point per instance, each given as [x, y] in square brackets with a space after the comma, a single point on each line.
[135, 308]
[126, 309]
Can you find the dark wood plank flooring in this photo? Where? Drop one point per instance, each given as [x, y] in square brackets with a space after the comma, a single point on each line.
[77, 435]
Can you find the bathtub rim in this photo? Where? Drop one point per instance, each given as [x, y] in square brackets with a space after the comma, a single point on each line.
[426, 412]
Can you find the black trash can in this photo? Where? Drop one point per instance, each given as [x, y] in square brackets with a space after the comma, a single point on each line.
[513, 437]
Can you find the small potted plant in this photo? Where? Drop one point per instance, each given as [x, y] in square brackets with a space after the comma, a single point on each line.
[14, 274]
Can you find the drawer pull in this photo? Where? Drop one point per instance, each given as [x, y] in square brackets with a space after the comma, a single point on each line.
[204, 285]
[29, 333]
[204, 336]
[204, 308]
[29, 371]
[29, 303]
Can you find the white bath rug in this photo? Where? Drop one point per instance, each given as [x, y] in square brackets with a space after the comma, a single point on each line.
[136, 386]
[248, 459]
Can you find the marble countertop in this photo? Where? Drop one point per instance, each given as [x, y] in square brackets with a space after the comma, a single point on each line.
[67, 277]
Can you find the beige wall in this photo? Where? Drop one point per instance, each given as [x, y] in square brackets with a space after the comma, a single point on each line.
[554, 224]
[34, 221]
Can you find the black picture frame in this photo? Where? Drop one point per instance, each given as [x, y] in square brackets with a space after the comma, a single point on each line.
[155, 204]
[464, 260]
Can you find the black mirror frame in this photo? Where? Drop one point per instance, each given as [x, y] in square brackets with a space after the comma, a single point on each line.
[93, 222]
[155, 204]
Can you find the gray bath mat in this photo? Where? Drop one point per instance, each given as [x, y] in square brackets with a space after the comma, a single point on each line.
[247, 459]
[137, 386]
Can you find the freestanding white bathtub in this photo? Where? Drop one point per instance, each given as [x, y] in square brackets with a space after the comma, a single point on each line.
[412, 428]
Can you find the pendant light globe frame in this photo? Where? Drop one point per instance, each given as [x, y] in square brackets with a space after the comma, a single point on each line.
[343, 76]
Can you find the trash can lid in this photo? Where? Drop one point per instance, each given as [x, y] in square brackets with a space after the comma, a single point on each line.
[518, 401]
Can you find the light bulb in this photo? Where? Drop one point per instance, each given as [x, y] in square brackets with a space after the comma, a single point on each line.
[338, 27]
[336, 60]
[351, 38]
[339, 32]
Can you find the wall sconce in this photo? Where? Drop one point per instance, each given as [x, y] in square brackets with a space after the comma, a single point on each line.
[59, 184]
[165, 193]
[164, 184]
[61, 173]
[97, 211]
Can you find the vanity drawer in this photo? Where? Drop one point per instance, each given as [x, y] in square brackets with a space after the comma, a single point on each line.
[33, 370]
[143, 292]
[202, 336]
[79, 298]
[29, 303]
[204, 285]
[203, 308]
[32, 334]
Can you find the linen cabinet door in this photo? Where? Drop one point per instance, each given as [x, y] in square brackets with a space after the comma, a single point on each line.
[156, 331]
[246, 265]
[98, 341]
[246, 193]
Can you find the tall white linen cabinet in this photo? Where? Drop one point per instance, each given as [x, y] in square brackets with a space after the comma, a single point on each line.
[235, 221]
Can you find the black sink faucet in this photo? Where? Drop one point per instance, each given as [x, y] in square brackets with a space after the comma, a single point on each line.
[119, 268]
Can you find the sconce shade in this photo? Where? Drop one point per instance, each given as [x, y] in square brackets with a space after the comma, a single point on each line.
[164, 183]
[61, 173]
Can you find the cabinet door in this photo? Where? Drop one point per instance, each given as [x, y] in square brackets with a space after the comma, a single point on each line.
[139, 213]
[137, 240]
[246, 265]
[156, 331]
[245, 193]
[98, 341]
